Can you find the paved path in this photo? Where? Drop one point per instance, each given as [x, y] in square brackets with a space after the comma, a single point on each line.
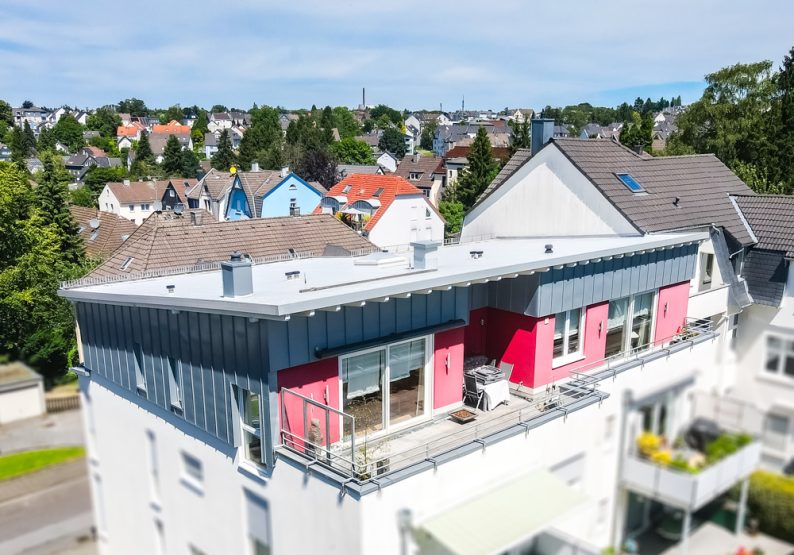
[62, 428]
[46, 512]
[711, 539]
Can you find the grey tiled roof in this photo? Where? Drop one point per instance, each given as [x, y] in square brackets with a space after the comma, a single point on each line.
[771, 218]
[167, 240]
[701, 183]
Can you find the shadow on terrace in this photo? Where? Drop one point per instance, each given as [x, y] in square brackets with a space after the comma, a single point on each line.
[362, 458]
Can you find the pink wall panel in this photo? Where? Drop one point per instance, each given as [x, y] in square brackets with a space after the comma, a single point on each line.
[319, 381]
[511, 339]
[475, 332]
[673, 301]
[448, 368]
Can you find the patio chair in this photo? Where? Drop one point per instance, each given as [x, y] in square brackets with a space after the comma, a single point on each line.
[472, 394]
[507, 368]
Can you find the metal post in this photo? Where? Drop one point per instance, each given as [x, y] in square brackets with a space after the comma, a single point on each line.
[305, 430]
[742, 511]
[685, 532]
[328, 436]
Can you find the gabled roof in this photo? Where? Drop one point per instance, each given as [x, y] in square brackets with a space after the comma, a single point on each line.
[158, 141]
[131, 130]
[106, 235]
[173, 127]
[500, 153]
[363, 187]
[771, 218]
[426, 166]
[149, 191]
[701, 183]
[168, 240]
[349, 169]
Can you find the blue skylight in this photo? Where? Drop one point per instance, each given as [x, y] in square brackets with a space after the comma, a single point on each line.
[630, 183]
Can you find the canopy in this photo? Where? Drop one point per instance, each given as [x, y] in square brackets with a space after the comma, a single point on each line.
[502, 518]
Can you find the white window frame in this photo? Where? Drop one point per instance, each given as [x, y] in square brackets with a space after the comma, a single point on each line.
[242, 397]
[194, 482]
[428, 393]
[140, 371]
[629, 323]
[703, 284]
[784, 352]
[175, 391]
[567, 357]
[776, 442]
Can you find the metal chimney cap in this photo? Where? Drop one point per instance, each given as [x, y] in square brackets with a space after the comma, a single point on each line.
[236, 256]
[548, 248]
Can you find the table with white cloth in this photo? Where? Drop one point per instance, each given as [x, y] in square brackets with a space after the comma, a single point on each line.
[491, 381]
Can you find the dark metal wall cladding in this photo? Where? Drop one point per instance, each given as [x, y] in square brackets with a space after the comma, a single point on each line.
[546, 293]
[766, 273]
[215, 351]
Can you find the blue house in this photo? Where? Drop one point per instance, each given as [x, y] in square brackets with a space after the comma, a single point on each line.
[269, 194]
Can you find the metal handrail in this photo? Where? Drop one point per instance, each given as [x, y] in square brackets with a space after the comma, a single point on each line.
[558, 396]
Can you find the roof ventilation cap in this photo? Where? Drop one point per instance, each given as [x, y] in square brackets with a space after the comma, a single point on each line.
[676, 201]
[94, 223]
[475, 254]
[548, 248]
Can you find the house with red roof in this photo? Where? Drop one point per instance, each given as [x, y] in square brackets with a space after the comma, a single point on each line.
[386, 209]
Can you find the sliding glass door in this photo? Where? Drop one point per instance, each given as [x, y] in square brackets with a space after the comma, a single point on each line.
[385, 387]
[630, 324]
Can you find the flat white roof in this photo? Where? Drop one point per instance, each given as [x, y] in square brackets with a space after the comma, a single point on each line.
[330, 282]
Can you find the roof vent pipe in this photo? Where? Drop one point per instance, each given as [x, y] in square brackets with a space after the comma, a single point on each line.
[676, 201]
[237, 276]
[425, 255]
[549, 248]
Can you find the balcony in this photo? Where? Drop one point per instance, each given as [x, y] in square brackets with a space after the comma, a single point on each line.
[326, 441]
[685, 490]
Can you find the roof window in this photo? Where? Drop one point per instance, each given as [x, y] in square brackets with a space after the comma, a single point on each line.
[378, 193]
[127, 263]
[346, 189]
[630, 183]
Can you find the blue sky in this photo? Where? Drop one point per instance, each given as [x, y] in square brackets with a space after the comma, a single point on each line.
[408, 54]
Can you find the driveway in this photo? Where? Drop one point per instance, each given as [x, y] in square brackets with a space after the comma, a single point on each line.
[51, 430]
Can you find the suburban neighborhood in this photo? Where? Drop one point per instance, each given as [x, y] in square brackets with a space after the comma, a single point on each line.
[281, 303]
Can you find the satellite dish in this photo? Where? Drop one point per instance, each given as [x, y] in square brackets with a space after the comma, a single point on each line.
[94, 223]
[158, 206]
[179, 208]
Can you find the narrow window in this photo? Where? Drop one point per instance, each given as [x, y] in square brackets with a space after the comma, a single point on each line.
[251, 423]
[776, 431]
[567, 333]
[258, 515]
[779, 357]
[154, 467]
[132, 208]
[192, 469]
[140, 375]
[175, 382]
[706, 271]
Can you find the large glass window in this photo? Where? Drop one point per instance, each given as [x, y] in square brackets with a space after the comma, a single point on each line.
[616, 326]
[567, 333]
[386, 387]
[779, 356]
[641, 321]
[630, 324]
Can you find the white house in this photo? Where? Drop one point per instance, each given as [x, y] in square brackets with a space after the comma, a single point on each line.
[21, 393]
[387, 161]
[137, 200]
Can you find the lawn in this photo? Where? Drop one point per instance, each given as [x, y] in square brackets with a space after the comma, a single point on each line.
[26, 462]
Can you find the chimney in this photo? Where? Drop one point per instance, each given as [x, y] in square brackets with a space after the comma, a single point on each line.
[254, 166]
[425, 256]
[417, 156]
[237, 276]
[542, 132]
[638, 148]
[127, 182]
[285, 171]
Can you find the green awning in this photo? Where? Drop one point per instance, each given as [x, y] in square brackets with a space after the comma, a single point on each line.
[501, 518]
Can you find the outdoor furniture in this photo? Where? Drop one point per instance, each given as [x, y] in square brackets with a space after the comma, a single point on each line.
[472, 392]
[507, 368]
[494, 394]
[492, 387]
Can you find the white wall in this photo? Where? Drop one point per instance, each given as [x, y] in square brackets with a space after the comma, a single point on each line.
[25, 402]
[405, 220]
[108, 201]
[548, 196]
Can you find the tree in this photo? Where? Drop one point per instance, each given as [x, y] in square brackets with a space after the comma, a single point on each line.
[104, 120]
[351, 151]
[134, 107]
[785, 136]
[452, 211]
[189, 164]
[143, 152]
[391, 114]
[262, 141]
[218, 108]
[224, 157]
[428, 133]
[392, 141]
[638, 132]
[522, 136]
[346, 123]
[172, 157]
[29, 138]
[46, 140]
[82, 196]
[20, 148]
[201, 123]
[69, 132]
[35, 324]
[317, 165]
[479, 173]
[174, 113]
[96, 178]
[52, 195]
[27, 104]
[6, 113]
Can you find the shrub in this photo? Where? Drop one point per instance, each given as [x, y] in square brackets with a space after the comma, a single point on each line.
[771, 501]
[649, 443]
[680, 463]
[725, 445]
[663, 457]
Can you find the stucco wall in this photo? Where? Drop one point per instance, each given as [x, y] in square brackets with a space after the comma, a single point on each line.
[25, 402]
[277, 201]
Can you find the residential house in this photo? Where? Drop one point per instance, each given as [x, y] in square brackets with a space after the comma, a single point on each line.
[34, 165]
[33, 116]
[426, 173]
[210, 144]
[136, 200]
[21, 393]
[173, 127]
[387, 209]
[5, 153]
[102, 232]
[343, 170]
[561, 131]
[372, 139]
[520, 115]
[285, 119]
[387, 161]
[218, 121]
[448, 137]
[125, 118]
[90, 134]
[81, 116]
[457, 159]
[239, 195]
[86, 158]
[158, 141]
[130, 131]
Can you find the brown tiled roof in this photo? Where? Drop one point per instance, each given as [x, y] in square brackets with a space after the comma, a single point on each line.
[111, 232]
[425, 165]
[771, 217]
[16, 374]
[502, 154]
[167, 240]
[150, 191]
[701, 183]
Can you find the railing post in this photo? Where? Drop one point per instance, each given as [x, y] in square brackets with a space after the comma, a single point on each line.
[283, 414]
[305, 431]
[328, 436]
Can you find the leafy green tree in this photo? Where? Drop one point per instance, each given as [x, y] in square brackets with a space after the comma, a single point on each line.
[392, 141]
[35, 324]
[6, 113]
[391, 114]
[69, 132]
[224, 157]
[522, 137]
[29, 138]
[189, 164]
[262, 140]
[452, 211]
[201, 123]
[351, 151]
[143, 152]
[638, 132]
[346, 123]
[46, 140]
[82, 196]
[134, 107]
[317, 165]
[52, 195]
[785, 135]
[20, 148]
[174, 113]
[481, 170]
[104, 120]
[428, 133]
[96, 178]
[218, 108]
[27, 104]
[172, 157]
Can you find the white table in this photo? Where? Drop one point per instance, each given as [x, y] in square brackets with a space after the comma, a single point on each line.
[494, 393]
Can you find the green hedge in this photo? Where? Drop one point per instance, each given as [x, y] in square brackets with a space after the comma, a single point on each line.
[771, 501]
